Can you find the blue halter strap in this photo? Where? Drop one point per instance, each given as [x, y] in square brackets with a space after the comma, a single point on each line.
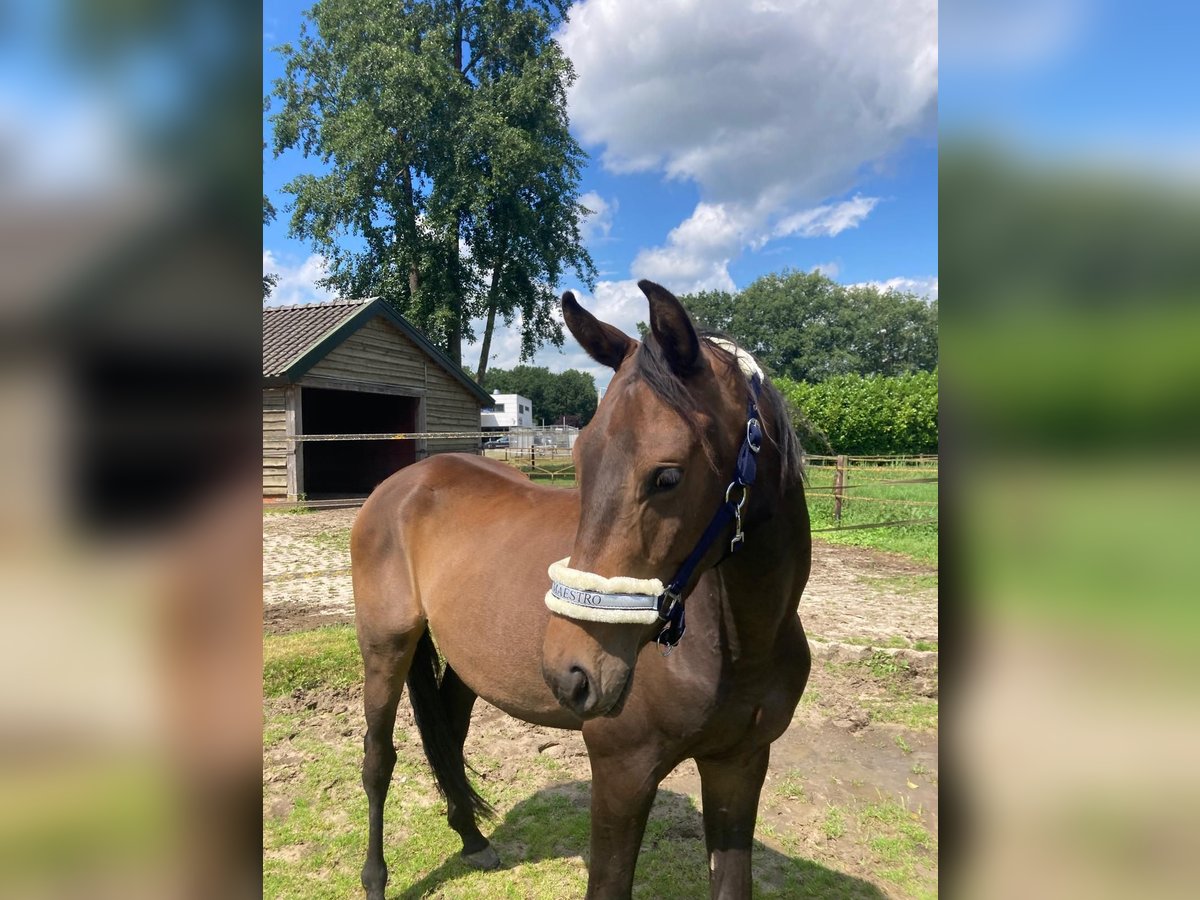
[670, 604]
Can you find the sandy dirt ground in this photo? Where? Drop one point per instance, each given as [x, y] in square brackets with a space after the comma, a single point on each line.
[857, 602]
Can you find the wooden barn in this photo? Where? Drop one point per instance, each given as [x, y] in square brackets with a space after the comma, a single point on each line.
[354, 367]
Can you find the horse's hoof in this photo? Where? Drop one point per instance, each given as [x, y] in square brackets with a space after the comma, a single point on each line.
[485, 859]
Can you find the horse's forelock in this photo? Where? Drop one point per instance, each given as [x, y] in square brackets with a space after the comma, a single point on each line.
[654, 370]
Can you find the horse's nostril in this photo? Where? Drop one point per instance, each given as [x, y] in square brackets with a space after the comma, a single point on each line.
[578, 687]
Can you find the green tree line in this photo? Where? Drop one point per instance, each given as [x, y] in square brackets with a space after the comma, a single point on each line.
[807, 327]
[865, 415]
[568, 396]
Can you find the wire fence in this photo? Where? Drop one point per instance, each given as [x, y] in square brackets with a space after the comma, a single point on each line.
[841, 490]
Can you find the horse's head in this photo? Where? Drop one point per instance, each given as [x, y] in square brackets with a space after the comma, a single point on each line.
[653, 466]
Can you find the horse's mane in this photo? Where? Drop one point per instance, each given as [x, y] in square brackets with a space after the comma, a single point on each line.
[656, 372]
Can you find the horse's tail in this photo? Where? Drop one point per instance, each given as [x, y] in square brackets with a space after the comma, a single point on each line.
[442, 748]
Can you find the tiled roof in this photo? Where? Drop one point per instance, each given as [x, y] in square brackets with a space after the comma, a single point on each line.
[290, 331]
[296, 337]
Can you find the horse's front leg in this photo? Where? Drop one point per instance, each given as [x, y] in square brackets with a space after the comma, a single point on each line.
[730, 788]
[623, 789]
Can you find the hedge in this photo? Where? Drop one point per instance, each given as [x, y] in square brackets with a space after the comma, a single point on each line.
[872, 415]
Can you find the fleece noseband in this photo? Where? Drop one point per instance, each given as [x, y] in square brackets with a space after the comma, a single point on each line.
[593, 598]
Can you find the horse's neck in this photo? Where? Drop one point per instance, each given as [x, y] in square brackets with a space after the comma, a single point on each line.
[761, 583]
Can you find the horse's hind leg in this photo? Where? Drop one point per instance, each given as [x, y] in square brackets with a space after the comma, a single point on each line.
[459, 700]
[386, 664]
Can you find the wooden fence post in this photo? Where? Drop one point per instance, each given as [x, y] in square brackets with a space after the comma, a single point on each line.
[839, 484]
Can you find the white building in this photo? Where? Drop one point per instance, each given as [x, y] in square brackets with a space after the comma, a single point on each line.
[507, 411]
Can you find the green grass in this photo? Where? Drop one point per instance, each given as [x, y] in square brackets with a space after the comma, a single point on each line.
[334, 539]
[903, 744]
[899, 501]
[894, 640]
[902, 584]
[905, 850]
[315, 822]
[791, 787]
[269, 510]
[833, 826]
[308, 660]
[899, 705]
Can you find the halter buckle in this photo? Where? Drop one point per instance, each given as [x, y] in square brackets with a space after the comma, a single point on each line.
[754, 434]
[673, 598]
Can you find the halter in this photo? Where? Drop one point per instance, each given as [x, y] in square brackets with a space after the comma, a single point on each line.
[585, 595]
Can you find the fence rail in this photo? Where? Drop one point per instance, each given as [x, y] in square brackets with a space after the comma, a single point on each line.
[852, 475]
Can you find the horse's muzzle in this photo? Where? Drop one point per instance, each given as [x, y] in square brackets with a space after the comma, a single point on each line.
[585, 693]
[573, 688]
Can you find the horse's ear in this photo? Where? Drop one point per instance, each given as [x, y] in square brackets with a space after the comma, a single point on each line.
[672, 328]
[604, 343]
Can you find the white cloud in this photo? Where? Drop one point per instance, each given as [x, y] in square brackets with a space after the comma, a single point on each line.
[926, 287]
[598, 224]
[297, 280]
[698, 250]
[620, 303]
[770, 108]
[827, 221]
[773, 102]
[828, 269]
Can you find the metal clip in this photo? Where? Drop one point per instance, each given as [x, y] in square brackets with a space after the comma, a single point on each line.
[753, 434]
[741, 501]
[738, 537]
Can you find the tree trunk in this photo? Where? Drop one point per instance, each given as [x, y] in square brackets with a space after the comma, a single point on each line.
[410, 226]
[493, 302]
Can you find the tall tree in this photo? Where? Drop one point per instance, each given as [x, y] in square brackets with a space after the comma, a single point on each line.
[452, 188]
[808, 327]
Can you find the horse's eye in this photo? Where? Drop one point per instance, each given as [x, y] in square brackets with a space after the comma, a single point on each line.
[665, 479]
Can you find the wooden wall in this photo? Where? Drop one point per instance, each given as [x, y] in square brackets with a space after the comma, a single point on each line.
[274, 445]
[376, 358]
[382, 354]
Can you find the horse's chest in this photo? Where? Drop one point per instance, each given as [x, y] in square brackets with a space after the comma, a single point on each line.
[756, 704]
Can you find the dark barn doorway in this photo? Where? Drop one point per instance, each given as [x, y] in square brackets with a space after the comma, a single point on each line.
[354, 468]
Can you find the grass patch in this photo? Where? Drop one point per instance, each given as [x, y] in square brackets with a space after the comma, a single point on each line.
[334, 539]
[307, 660]
[288, 510]
[885, 666]
[903, 847]
[895, 641]
[833, 826]
[901, 584]
[903, 744]
[868, 500]
[900, 705]
[915, 715]
[925, 645]
[791, 787]
[315, 812]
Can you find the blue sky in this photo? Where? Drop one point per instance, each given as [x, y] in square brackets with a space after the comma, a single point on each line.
[726, 141]
[1086, 80]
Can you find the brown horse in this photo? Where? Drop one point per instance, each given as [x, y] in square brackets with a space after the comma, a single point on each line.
[459, 546]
